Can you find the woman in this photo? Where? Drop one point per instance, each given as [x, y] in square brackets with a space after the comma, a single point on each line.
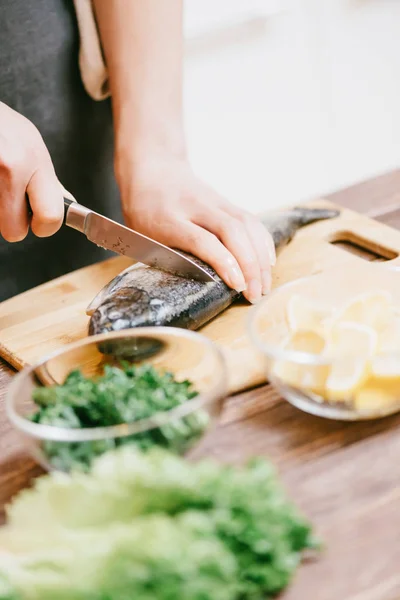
[52, 131]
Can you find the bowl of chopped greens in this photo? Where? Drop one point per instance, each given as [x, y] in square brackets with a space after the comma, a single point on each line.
[155, 386]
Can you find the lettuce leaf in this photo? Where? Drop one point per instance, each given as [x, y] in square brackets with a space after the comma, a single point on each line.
[187, 527]
[153, 557]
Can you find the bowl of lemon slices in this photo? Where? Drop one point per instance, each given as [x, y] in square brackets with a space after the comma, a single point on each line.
[331, 341]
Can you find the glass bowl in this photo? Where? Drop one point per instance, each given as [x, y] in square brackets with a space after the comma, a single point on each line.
[301, 376]
[186, 355]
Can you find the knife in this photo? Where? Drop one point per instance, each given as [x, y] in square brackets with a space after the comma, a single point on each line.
[120, 239]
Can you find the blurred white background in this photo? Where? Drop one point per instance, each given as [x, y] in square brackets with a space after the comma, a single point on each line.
[290, 99]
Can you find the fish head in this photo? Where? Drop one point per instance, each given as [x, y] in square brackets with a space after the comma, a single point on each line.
[127, 308]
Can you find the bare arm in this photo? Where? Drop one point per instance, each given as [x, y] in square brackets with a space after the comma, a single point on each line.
[143, 46]
[143, 43]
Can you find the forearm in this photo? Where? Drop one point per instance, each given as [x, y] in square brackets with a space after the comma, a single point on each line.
[143, 47]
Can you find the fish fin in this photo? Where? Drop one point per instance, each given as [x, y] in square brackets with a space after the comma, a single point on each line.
[310, 215]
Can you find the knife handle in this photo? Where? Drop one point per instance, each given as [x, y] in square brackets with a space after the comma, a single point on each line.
[75, 215]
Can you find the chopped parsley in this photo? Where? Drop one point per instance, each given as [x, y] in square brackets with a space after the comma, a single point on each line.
[121, 395]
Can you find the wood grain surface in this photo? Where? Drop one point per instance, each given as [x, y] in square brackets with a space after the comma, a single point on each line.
[344, 476]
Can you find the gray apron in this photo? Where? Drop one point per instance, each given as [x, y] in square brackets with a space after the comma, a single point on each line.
[40, 78]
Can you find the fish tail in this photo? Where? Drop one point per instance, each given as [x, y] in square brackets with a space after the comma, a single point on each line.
[310, 215]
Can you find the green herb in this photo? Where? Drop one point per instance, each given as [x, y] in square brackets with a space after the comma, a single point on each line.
[153, 527]
[120, 395]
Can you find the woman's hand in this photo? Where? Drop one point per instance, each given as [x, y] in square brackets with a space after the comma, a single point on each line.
[163, 199]
[26, 170]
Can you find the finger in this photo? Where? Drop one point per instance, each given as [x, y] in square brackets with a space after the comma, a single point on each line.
[264, 248]
[234, 237]
[14, 219]
[46, 201]
[247, 217]
[207, 247]
[262, 242]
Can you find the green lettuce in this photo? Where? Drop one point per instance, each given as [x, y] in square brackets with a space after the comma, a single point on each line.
[152, 526]
[152, 557]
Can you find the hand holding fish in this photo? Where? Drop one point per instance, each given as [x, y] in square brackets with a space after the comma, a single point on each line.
[162, 198]
[26, 169]
[143, 46]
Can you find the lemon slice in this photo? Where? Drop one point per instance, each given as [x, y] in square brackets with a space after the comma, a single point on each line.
[354, 340]
[386, 367]
[345, 377]
[305, 340]
[306, 315]
[376, 395]
[389, 337]
[350, 347]
[303, 376]
[374, 309]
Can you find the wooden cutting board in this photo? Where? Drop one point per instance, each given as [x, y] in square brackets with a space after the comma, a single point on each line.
[41, 320]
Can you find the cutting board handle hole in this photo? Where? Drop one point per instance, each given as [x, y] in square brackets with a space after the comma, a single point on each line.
[362, 247]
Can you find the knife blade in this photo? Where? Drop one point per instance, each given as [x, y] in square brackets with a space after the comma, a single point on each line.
[113, 236]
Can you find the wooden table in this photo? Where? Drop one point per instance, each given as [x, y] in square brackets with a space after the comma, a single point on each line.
[344, 476]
